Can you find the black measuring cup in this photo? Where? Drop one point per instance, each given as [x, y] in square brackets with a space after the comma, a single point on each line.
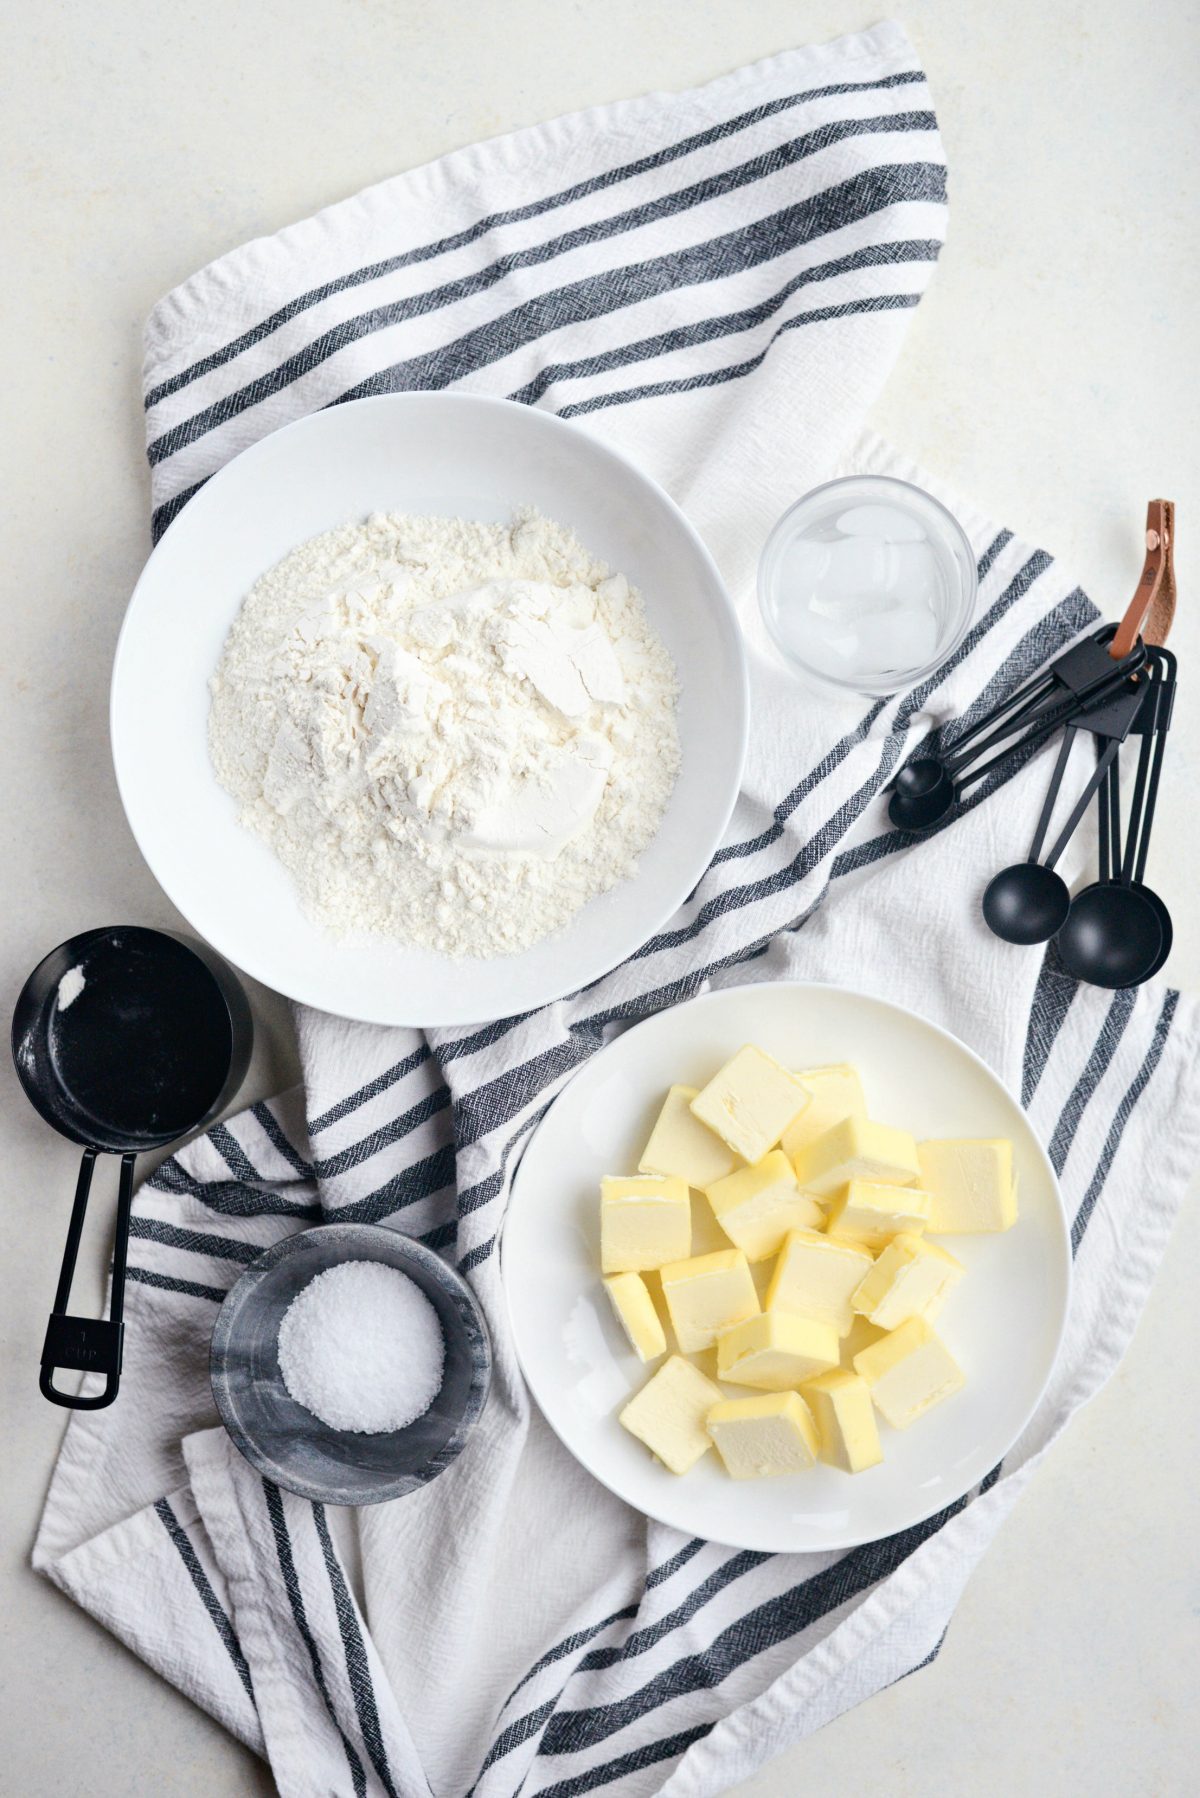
[124, 1039]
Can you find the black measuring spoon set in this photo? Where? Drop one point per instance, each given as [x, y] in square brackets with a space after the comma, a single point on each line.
[1080, 681]
[1112, 686]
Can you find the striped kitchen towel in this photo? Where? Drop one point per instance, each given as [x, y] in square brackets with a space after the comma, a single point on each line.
[718, 282]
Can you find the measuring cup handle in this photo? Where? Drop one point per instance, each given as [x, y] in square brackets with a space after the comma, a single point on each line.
[88, 1344]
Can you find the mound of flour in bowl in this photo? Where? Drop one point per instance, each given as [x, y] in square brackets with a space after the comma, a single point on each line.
[452, 734]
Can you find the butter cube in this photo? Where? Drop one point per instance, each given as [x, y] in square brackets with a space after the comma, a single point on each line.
[857, 1149]
[840, 1402]
[836, 1094]
[873, 1214]
[909, 1371]
[644, 1221]
[636, 1315]
[971, 1184]
[757, 1437]
[816, 1276]
[911, 1278]
[680, 1145]
[669, 1413]
[757, 1206]
[750, 1102]
[776, 1351]
[706, 1294]
[862, 1335]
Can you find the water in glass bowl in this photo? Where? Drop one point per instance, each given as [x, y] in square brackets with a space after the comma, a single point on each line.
[866, 589]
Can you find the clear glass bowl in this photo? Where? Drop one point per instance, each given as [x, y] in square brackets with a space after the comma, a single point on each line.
[877, 617]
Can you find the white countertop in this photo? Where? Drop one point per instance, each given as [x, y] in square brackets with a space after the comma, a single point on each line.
[1050, 375]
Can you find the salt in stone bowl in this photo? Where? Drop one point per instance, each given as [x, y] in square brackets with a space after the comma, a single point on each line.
[283, 1440]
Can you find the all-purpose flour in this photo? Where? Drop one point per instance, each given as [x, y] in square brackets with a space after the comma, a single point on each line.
[452, 734]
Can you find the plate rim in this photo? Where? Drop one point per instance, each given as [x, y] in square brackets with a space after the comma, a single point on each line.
[851, 1538]
[690, 868]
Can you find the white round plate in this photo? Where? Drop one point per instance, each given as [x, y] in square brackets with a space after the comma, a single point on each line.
[1003, 1323]
[413, 453]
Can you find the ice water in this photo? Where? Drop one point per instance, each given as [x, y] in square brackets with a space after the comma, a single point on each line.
[861, 590]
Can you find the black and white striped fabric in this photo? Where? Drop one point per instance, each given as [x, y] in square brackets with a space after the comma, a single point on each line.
[719, 281]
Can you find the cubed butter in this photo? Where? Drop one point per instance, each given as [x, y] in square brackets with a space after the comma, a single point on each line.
[909, 1371]
[636, 1315]
[911, 1278]
[680, 1145]
[776, 1351]
[836, 1094]
[757, 1206]
[750, 1102]
[758, 1437]
[971, 1185]
[816, 1276]
[848, 1435]
[862, 1335]
[707, 1294]
[872, 1214]
[644, 1221]
[669, 1413]
[857, 1149]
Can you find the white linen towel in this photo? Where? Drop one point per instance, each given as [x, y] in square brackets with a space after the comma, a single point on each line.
[717, 281]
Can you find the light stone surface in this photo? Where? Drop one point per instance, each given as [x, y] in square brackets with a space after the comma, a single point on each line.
[1050, 374]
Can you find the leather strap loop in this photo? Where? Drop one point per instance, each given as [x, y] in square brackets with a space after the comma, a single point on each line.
[1152, 608]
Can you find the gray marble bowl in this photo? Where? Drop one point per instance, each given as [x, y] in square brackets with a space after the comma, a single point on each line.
[283, 1440]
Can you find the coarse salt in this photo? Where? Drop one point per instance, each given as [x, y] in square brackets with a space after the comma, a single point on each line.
[361, 1347]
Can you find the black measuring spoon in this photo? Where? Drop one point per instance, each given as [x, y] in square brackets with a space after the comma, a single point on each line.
[1118, 932]
[1162, 723]
[124, 1039]
[1028, 902]
[1078, 681]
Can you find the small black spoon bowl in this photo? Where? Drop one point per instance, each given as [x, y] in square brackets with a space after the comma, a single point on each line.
[1113, 936]
[1026, 903]
[923, 792]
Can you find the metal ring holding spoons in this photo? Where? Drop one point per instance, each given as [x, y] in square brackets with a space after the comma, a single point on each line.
[124, 1039]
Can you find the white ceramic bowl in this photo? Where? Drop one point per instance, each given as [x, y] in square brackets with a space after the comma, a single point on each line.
[1003, 1322]
[446, 453]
